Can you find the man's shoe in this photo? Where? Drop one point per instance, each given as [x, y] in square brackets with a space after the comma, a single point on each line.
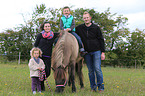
[93, 90]
[101, 91]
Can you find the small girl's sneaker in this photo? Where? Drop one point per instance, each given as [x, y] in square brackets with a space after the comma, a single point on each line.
[34, 92]
[39, 91]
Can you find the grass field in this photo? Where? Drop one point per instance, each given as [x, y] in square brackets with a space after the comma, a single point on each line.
[15, 81]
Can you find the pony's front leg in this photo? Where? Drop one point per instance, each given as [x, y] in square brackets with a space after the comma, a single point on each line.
[69, 79]
[73, 77]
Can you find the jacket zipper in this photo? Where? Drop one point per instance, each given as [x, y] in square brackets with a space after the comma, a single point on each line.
[87, 33]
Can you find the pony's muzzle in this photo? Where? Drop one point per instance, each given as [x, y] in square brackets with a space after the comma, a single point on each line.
[59, 89]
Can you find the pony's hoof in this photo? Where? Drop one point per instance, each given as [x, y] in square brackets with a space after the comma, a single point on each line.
[82, 87]
[73, 91]
[69, 84]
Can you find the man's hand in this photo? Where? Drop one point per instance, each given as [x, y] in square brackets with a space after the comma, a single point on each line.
[103, 56]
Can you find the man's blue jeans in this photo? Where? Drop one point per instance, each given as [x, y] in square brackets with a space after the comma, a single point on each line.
[93, 61]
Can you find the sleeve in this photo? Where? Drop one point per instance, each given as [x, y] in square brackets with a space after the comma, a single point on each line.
[73, 24]
[61, 25]
[31, 65]
[56, 34]
[77, 30]
[43, 65]
[37, 40]
[101, 40]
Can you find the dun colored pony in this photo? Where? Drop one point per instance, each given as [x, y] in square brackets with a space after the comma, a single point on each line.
[64, 58]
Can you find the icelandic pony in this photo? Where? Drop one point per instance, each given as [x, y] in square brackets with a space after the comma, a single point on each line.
[64, 58]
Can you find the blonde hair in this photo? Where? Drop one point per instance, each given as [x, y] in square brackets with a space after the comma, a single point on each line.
[35, 49]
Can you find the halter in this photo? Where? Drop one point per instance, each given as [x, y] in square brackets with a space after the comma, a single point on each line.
[63, 85]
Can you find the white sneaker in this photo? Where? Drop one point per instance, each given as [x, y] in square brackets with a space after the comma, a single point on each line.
[34, 92]
[39, 91]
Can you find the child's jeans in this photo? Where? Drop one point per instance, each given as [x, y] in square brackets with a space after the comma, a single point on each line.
[78, 39]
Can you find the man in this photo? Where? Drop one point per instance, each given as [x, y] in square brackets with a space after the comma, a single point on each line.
[93, 41]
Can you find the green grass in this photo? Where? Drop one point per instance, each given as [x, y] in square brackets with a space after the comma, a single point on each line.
[15, 81]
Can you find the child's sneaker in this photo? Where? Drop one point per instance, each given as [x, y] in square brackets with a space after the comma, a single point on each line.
[39, 91]
[83, 52]
[34, 92]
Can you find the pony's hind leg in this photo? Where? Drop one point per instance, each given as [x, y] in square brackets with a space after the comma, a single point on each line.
[79, 66]
[79, 73]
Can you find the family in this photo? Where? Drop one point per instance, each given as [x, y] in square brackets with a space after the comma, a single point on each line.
[91, 47]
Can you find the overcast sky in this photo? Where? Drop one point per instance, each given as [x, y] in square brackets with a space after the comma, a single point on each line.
[11, 10]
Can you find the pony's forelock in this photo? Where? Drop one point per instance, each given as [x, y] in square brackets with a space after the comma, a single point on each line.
[60, 73]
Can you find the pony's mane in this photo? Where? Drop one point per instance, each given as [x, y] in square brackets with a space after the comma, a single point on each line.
[57, 54]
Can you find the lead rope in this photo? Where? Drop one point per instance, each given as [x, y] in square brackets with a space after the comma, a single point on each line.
[41, 78]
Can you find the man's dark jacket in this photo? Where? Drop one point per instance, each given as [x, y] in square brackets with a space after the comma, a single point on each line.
[91, 37]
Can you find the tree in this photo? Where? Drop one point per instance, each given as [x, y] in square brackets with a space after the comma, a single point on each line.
[113, 28]
[132, 49]
[137, 45]
[9, 44]
[15, 42]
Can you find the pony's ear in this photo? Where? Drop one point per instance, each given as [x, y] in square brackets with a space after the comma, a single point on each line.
[52, 68]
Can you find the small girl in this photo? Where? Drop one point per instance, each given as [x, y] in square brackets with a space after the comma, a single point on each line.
[35, 64]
